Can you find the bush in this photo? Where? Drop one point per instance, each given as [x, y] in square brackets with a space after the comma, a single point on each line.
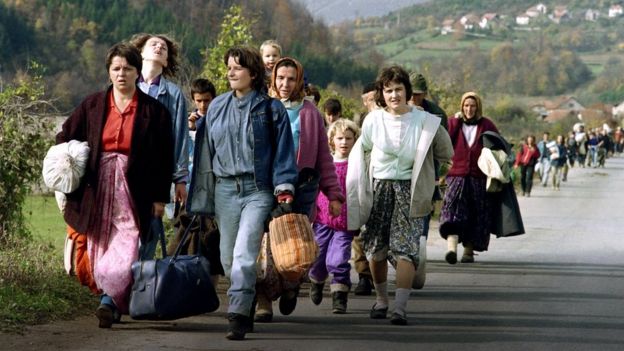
[24, 139]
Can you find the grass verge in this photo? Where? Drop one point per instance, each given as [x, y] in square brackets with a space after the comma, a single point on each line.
[34, 288]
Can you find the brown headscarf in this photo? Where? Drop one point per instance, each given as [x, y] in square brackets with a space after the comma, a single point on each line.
[478, 113]
[298, 93]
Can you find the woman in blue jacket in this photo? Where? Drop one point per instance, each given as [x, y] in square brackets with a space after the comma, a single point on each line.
[244, 160]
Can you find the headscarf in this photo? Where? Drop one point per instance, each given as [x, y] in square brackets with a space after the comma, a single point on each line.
[478, 113]
[298, 93]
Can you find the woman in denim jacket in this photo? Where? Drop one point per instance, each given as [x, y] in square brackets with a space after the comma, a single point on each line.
[243, 161]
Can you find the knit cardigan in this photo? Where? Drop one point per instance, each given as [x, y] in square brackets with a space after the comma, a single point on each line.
[465, 157]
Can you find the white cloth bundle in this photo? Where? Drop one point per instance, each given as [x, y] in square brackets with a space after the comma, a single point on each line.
[493, 163]
[64, 165]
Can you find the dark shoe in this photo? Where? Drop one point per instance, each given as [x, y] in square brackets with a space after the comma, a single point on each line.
[264, 317]
[238, 326]
[378, 313]
[398, 319]
[316, 293]
[288, 302]
[339, 302]
[467, 259]
[451, 257]
[364, 287]
[104, 313]
[116, 316]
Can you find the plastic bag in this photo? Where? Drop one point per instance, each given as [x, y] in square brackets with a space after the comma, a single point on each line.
[64, 165]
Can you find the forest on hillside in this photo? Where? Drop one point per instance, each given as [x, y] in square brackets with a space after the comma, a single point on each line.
[70, 38]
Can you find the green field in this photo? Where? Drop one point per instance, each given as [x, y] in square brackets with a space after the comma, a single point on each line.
[45, 220]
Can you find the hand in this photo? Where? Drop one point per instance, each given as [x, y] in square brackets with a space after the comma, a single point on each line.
[284, 198]
[193, 117]
[180, 193]
[158, 209]
[335, 207]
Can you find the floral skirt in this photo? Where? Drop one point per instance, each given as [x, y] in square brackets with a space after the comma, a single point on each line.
[465, 212]
[390, 231]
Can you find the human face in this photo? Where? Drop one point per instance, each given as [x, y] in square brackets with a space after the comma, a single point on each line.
[343, 143]
[545, 137]
[331, 118]
[285, 81]
[368, 100]
[470, 108]
[123, 75]
[202, 101]
[394, 96]
[531, 141]
[239, 77]
[270, 56]
[417, 99]
[156, 50]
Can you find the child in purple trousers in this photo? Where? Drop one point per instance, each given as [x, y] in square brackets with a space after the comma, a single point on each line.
[331, 232]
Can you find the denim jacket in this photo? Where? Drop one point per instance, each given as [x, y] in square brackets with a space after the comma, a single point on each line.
[170, 95]
[275, 168]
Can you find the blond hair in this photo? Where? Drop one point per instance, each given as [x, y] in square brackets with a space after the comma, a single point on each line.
[271, 43]
[341, 125]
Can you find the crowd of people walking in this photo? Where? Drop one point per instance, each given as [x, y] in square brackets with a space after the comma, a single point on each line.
[239, 155]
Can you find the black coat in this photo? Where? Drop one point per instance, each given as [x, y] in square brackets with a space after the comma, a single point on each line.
[150, 163]
[506, 219]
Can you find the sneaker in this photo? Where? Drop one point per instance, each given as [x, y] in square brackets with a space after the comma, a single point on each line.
[104, 313]
[339, 302]
[316, 293]
[380, 313]
[238, 326]
[398, 319]
[451, 257]
[364, 287]
[288, 301]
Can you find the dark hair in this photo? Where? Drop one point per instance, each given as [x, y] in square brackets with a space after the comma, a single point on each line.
[249, 58]
[332, 106]
[203, 86]
[139, 41]
[368, 88]
[394, 74]
[129, 52]
[312, 90]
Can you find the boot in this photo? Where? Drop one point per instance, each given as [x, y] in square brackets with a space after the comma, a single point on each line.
[316, 292]
[288, 301]
[238, 326]
[339, 302]
[364, 286]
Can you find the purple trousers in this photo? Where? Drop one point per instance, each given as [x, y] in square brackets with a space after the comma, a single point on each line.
[334, 254]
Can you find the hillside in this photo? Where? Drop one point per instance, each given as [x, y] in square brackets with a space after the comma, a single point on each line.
[70, 38]
[333, 12]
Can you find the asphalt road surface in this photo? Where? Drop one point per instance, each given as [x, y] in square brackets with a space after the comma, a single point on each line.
[558, 287]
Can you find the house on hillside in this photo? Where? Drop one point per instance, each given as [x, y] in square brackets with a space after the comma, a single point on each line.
[470, 21]
[618, 110]
[563, 103]
[487, 19]
[560, 13]
[447, 26]
[615, 11]
[592, 15]
[523, 19]
[537, 10]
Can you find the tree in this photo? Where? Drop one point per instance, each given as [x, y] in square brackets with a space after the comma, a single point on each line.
[235, 31]
[24, 139]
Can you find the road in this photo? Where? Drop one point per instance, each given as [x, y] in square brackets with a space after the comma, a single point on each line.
[558, 287]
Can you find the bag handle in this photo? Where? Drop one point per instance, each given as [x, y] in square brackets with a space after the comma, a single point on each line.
[183, 239]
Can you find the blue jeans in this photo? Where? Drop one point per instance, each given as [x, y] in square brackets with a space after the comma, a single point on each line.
[241, 210]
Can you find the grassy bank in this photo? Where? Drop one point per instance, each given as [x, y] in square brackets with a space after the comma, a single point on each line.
[33, 285]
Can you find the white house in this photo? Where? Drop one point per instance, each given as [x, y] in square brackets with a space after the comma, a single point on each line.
[615, 11]
[486, 20]
[447, 26]
[592, 15]
[537, 10]
[523, 19]
[469, 21]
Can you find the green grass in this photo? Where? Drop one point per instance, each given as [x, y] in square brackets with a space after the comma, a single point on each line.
[44, 220]
[33, 285]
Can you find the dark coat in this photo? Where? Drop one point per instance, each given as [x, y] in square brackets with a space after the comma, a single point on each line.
[506, 219]
[150, 163]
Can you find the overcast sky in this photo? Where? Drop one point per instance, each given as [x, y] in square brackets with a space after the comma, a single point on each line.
[334, 11]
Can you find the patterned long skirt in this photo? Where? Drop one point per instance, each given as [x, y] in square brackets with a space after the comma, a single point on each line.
[113, 235]
[465, 212]
[390, 231]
